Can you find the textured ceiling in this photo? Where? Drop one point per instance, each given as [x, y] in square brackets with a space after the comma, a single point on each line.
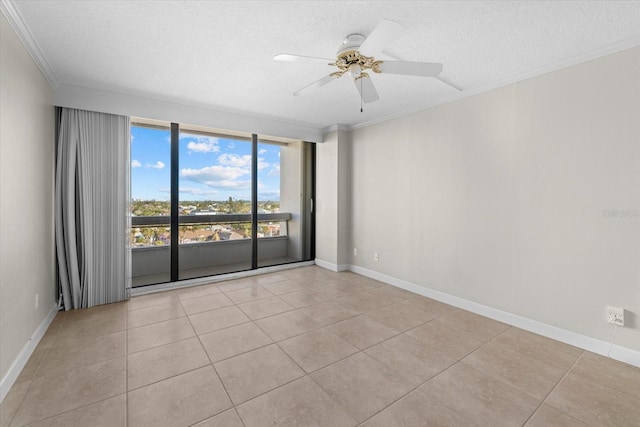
[219, 54]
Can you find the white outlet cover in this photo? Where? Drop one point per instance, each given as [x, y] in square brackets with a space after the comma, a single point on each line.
[615, 315]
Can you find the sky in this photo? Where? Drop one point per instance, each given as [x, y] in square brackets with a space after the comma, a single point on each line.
[210, 168]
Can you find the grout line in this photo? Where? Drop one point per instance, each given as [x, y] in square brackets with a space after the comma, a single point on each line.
[554, 388]
[215, 371]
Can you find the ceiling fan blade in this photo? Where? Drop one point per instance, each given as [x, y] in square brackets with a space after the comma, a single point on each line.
[385, 33]
[287, 57]
[448, 83]
[366, 88]
[318, 83]
[424, 69]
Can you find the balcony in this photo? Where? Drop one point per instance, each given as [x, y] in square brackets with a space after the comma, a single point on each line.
[221, 247]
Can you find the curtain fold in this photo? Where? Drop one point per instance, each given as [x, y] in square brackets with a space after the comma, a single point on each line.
[92, 208]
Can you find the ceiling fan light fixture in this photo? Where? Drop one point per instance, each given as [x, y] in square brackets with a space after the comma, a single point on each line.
[355, 70]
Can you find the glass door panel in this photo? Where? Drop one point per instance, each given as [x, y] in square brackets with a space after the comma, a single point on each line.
[150, 204]
[281, 203]
[215, 205]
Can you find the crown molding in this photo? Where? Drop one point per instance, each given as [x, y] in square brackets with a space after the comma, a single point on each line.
[336, 127]
[14, 17]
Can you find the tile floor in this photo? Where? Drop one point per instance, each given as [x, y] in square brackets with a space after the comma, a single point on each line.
[308, 347]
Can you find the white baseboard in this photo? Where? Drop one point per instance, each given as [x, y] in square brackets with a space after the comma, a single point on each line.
[23, 357]
[594, 345]
[331, 266]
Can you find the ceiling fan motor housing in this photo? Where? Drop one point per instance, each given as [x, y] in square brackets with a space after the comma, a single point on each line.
[351, 61]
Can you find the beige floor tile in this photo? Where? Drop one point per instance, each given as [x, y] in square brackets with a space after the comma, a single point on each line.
[178, 401]
[362, 331]
[159, 363]
[265, 307]
[286, 325]
[317, 349]
[149, 300]
[97, 314]
[479, 397]
[482, 328]
[365, 283]
[205, 303]
[454, 342]
[197, 291]
[361, 385]
[522, 372]
[337, 289]
[228, 418]
[399, 318]
[75, 331]
[157, 334]
[300, 403]
[546, 350]
[594, 403]
[248, 294]
[232, 341]
[264, 279]
[52, 395]
[416, 409]
[30, 369]
[213, 320]
[12, 401]
[305, 298]
[285, 287]
[412, 359]
[432, 307]
[111, 412]
[547, 416]
[60, 360]
[154, 314]
[363, 302]
[610, 373]
[327, 313]
[392, 294]
[256, 372]
[232, 285]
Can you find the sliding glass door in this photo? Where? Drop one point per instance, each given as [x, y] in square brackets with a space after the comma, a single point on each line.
[215, 205]
[217, 202]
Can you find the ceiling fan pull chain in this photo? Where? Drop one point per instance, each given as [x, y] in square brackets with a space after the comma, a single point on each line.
[361, 95]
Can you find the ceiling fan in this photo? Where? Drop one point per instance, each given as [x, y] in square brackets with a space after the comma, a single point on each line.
[357, 55]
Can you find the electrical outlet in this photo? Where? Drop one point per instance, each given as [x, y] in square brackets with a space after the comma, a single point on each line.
[37, 300]
[355, 251]
[615, 315]
[376, 256]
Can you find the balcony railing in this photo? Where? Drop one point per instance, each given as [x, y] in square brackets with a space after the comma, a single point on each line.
[150, 263]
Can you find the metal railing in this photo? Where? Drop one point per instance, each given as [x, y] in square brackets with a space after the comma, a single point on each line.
[150, 221]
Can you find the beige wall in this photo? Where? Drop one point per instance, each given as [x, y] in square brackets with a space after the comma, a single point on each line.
[26, 197]
[502, 198]
[333, 170]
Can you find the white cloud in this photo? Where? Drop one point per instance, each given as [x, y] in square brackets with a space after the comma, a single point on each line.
[135, 164]
[262, 151]
[202, 144]
[235, 160]
[158, 165]
[198, 191]
[275, 171]
[226, 177]
[244, 161]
